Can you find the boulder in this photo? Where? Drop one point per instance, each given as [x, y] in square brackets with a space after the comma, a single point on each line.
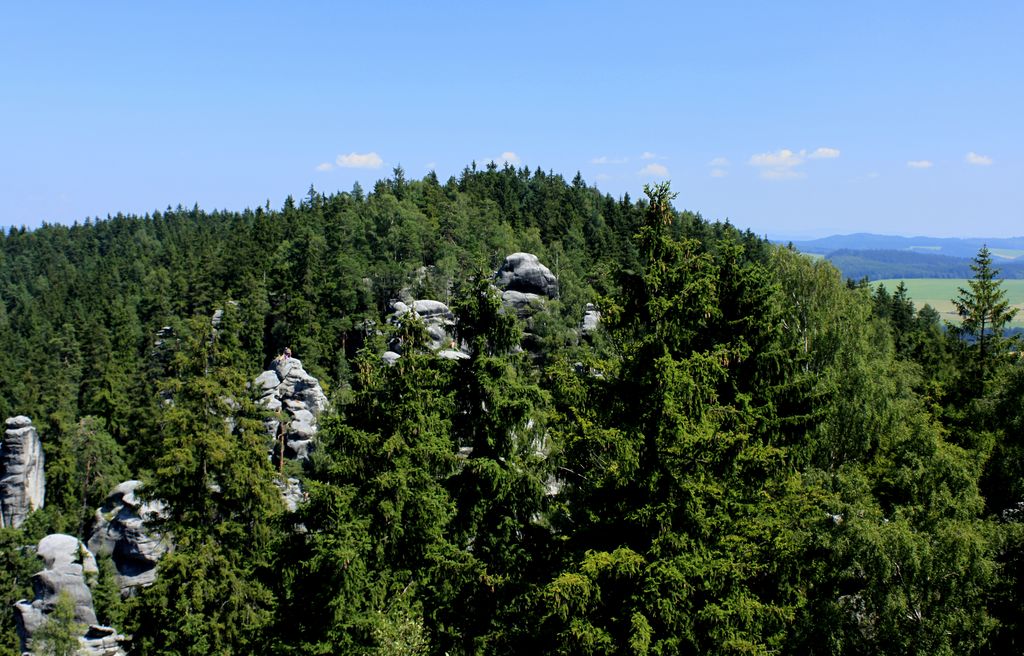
[390, 357]
[524, 304]
[69, 568]
[120, 532]
[267, 380]
[523, 272]
[429, 309]
[22, 482]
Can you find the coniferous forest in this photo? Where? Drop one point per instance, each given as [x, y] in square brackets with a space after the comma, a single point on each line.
[747, 455]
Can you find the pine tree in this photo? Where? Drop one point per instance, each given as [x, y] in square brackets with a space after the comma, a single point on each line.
[984, 313]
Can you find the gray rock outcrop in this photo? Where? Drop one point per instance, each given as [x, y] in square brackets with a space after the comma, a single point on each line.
[22, 481]
[296, 399]
[591, 319]
[291, 493]
[523, 272]
[68, 568]
[437, 319]
[120, 532]
[525, 284]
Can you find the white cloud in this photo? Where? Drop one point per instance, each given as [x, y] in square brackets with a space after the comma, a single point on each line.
[360, 161]
[325, 166]
[780, 159]
[507, 157]
[919, 164]
[654, 170]
[604, 159]
[719, 173]
[601, 177]
[824, 153]
[781, 165]
[649, 155]
[719, 161]
[978, 160]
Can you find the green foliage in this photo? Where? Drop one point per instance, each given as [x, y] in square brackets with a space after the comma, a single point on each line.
[749, 456]
[86, 466]
[984, 313]
[58, 636]
[205, 601]
[17, 565]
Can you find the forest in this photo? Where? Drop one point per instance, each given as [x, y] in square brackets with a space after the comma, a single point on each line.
[747, 454]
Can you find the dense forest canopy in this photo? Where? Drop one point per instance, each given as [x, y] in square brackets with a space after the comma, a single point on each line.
[750, 455]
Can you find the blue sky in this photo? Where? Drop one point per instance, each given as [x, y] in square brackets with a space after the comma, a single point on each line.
[794, 119]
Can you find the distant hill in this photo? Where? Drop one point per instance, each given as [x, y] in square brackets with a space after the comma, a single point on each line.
[881, 264]
[1005, 249]
[875, 257]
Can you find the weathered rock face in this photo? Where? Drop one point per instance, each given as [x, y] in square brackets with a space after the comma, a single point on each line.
[523, 272]
[22, 483]
[68, 568]
[525, 284]
[436, 317]
[120, 532]
[296, 399]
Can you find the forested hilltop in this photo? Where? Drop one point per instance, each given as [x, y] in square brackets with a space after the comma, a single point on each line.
[683, 440]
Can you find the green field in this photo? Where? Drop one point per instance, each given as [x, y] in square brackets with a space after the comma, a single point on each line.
[939, 292]
[1008, 253]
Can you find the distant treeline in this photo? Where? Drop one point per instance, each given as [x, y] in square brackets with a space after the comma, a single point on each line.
[885, 264]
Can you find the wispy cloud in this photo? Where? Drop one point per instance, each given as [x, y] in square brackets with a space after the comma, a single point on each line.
[975, 159]
[649, 155]
[824, 153]
[719, 173]
[920, 164]
[369, 160]
[654, 170]
[719, 162]
[324, 166]
[604, 159]
[782, 164]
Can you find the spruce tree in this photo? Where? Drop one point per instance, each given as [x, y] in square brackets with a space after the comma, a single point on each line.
[984, 312]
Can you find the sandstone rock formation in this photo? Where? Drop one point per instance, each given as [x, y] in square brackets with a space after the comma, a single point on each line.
[523, 272]
[436, 317]
[525, 283]
[120, 532]
[296, 399]
[22, 482]
[68, 568]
